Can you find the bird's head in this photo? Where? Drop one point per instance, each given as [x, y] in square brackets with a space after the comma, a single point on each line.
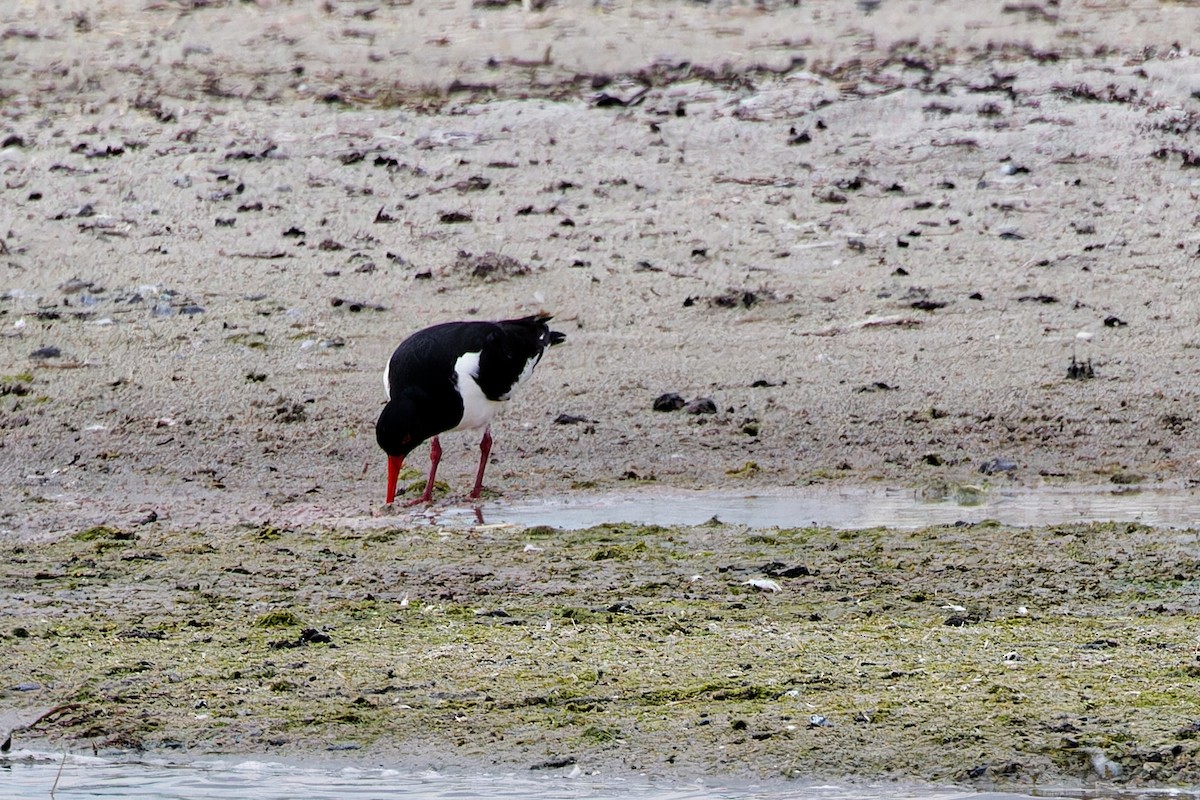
[398, 432]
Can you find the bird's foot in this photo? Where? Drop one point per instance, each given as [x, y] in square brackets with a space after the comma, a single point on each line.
[483, 494]
[424, 499]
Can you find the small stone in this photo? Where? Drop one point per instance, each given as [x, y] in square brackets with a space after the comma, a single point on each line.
[997, 465]
[74, 286]
[701, 405]
[313, 636]
[669, 402]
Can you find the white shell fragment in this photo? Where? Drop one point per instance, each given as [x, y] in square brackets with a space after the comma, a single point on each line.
[764, 584]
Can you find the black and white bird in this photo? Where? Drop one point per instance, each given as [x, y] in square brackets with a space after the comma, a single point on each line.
[454, 377]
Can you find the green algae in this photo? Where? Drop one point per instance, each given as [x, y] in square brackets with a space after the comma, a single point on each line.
[277, 619]
[1076, 640]
[619, 552]
[102, 533]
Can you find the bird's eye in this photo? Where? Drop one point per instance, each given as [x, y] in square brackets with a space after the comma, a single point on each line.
[407, 438]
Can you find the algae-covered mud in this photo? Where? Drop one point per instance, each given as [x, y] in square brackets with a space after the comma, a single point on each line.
[976, 654]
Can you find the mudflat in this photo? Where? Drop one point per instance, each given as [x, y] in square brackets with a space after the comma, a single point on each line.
[873, 244]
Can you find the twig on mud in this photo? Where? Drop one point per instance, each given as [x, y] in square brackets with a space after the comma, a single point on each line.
[65, 365]
[267, 255]
[58, 774]
[52, 712]
[781, 183]
[960, 142]
[873, 322]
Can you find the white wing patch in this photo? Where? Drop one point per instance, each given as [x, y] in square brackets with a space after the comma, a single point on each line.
[387, 384]
[525, 373]
[478, 410]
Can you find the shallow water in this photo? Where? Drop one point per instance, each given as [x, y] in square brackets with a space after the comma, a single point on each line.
[29, 776]
[851, 508]
[26, 776]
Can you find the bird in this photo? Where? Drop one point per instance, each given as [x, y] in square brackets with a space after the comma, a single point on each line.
[455, 376]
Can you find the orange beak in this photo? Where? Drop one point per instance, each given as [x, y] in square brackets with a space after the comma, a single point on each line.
[394, 465]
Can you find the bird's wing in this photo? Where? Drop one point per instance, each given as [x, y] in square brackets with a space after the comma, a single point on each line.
[510, 352]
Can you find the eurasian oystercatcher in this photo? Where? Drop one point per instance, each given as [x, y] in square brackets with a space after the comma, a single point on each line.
[453, 377]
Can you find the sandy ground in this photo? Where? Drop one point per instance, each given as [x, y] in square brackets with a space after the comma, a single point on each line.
[877, 241]
[921, 226]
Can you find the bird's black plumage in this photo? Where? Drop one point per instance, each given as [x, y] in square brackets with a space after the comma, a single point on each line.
[453, 376]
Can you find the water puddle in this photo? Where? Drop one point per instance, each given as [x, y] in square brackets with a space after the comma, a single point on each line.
[847, 508]
[29, 776]
[840, 507]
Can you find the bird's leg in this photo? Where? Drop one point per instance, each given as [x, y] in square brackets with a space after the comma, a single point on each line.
[435, 455]
[485, 450]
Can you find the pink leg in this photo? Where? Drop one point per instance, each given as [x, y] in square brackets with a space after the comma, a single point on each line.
[435, 455]
[485, 450]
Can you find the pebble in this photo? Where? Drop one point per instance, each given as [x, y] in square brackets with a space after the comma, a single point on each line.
[74, 286]
[43, 353]
[997, 465]
[669, 402]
